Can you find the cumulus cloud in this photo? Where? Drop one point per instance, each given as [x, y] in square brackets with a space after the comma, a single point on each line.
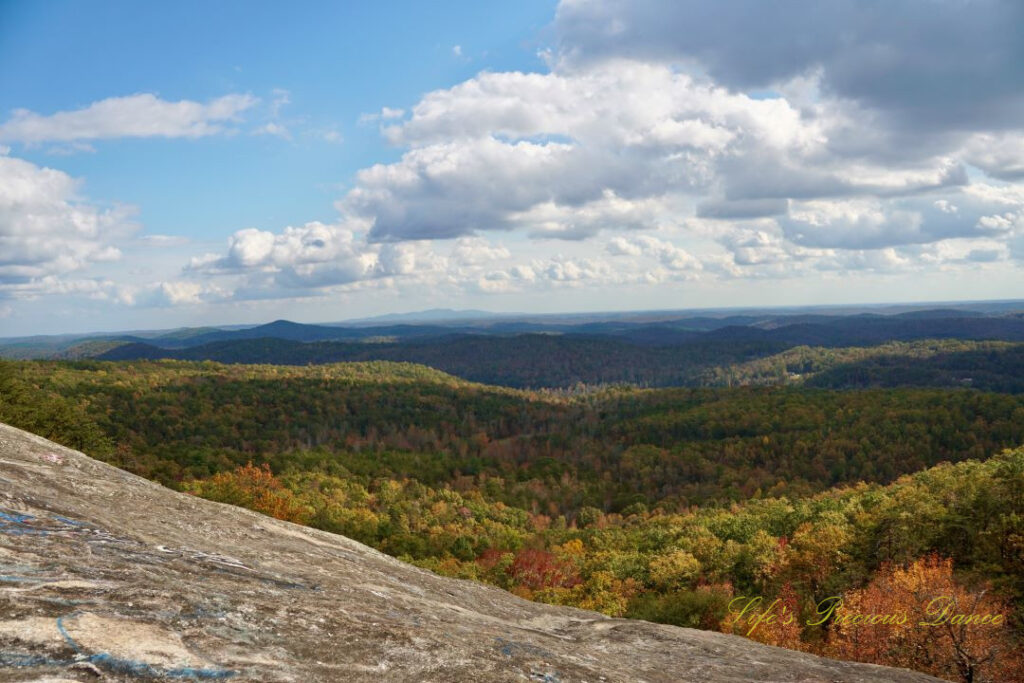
[573, 154]
[669, 255]
[296, 250]
[742, 208]
[47, 232]
[311, 257]
[624, 145]
[172, 293]
[472, 251]
[1000, 156]
[849, 224]
[180, 292]
[939, 64]
[759, 246]
[96, 288]
[687, 140]
[385, 114]
[555, 272]
[317, 259]
[850, 149]
[142, 115]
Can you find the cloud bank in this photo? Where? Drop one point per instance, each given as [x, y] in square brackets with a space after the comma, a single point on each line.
[667, 142]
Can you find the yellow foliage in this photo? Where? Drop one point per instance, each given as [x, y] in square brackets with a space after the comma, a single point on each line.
[675, 570]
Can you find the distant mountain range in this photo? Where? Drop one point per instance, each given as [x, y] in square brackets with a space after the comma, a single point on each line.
[527, 354]
[539, 352]
[433, 315]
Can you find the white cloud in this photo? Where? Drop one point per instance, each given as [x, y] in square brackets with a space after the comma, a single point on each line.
[922, 67]
[852, 224]
[669, 143]
[179, 292]
[555, 272]
[280, 98]
[620, 246]
[275, 129]
[667, 254]
[474, 251]
[48, 232]
[162, 240]
[686, 179]
[1002, 222]
[311, 257]
[999, 155]
[622, 145]
[99, 289]
[385, 114]
[142, 115]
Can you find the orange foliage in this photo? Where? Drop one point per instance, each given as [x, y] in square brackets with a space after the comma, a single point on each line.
[255, 488]
[925, 620]
[537, 569]
[490, 558]
[775, 622]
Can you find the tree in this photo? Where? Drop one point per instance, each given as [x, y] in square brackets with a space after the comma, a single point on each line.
[536, 569]
[255, 488]
[675, 570]
[920, 618]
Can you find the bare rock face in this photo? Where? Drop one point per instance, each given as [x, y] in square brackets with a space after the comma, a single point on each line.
[107, 576]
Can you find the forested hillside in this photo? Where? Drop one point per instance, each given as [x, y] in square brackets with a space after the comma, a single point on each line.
[538, 361]
[993, 367]
[917, 348]
[554, 451]
[664, 504]
[530, 360]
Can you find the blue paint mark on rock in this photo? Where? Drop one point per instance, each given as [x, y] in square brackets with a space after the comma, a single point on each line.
[141, 669]
[18, 579]
[14, 524]
[24, 659]
[69, 521]
[15, 517]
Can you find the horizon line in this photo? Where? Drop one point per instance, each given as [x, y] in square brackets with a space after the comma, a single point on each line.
[924, 305]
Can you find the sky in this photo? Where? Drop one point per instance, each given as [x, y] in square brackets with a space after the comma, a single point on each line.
[193, 163]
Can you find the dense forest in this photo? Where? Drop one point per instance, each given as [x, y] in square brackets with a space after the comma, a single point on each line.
[993, 367]
[526, 360]
[554, 361]
[553, 451]
[663, 504]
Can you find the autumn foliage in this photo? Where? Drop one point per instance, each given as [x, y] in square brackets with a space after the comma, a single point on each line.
[255, 488]
[781, 626]
[537, 569]
[660, 504]
[936, 625]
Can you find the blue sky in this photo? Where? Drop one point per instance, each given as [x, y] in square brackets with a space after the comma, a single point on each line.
[337, 61]
[190, 163]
